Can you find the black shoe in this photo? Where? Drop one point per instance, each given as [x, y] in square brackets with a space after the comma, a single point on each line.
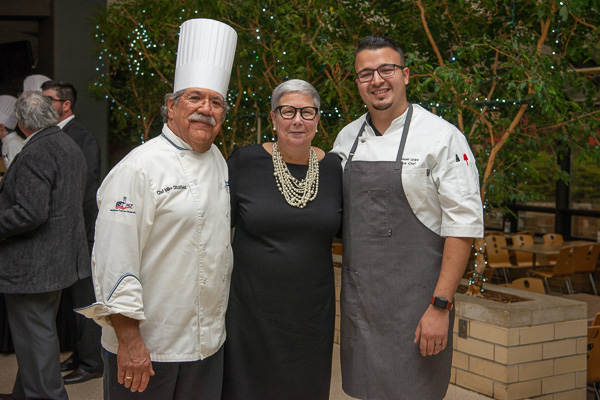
[6, 396]
[69, 364]
[80, 376]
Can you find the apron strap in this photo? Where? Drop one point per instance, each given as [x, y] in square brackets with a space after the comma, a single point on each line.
[398, 164]
[353, 149]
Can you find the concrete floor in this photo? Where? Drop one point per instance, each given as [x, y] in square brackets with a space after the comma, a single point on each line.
[92, 390]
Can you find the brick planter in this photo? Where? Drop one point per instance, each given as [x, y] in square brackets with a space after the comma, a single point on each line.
[534, 349]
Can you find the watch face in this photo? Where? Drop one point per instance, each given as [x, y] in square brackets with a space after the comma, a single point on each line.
[440, 303]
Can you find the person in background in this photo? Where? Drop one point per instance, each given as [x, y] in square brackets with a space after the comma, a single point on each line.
[34, 82]
[12, 143]
[162, 257]
[85, 362]
[43, 246]
[411, 211]
[286, 205]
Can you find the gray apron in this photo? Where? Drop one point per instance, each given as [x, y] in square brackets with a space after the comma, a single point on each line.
[391, 264]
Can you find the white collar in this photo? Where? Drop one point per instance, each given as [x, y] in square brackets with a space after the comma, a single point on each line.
[65, 121]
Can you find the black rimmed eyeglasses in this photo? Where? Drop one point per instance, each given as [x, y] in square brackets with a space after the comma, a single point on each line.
[384, 71]
[53, 99]
[289, 112]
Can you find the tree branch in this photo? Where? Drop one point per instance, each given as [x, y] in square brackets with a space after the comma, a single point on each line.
[594, 27]
[498, 146]
[428, 32]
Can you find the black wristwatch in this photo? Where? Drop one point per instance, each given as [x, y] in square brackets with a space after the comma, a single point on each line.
[441, 303]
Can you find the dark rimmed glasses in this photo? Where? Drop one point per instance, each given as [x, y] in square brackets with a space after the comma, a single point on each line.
[384, 71]
[53, 99]
[289, 112]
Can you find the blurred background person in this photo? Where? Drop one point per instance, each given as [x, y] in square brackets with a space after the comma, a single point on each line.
[34, 82]
[85, 362]
[286, 207]
[43, 246]
[11, 141]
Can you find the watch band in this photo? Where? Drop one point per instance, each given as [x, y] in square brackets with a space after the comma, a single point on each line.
[441, 303]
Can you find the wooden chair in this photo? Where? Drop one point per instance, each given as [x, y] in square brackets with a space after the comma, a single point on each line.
[530, 233]
[586, 263]
[550, 238]
[336, 252]
[564, 267]
[523, 259]
[553, 238]
[491, 233]
[497, 257]
[336, 248]
[535, 285]
[596, 320]
[593, 358]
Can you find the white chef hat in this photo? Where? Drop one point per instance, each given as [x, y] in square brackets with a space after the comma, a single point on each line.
[205, 55]
[7, 112]
[34, 82]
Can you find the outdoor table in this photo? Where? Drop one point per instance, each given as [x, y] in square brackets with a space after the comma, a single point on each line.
[545, 248]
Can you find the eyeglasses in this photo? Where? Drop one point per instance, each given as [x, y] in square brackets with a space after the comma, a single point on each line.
[289, 112]
[384, 71]
[53, 99]
[196, 99]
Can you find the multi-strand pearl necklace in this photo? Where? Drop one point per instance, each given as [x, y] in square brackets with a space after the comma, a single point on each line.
[296, 192]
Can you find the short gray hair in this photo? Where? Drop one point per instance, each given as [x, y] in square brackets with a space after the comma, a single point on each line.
[34, 111]
[164, 109]
[294, 85]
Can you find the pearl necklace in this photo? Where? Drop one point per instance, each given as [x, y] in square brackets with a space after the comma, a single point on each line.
[296, 192]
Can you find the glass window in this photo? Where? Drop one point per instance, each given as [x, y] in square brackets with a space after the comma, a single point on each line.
[539, 222]
[585, 227]
[493, 220]
[585, 190]
[585, 195]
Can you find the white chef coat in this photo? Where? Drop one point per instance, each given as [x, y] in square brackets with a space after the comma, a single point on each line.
[162, 253]
[439, 175]
[11, 145]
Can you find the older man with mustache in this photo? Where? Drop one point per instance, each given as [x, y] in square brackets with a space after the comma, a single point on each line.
[162, 258]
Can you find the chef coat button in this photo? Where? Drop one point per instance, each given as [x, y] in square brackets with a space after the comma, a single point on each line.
[194, 182]
[227, 214]
[204, 281]
[204, 248]
[227, 246]
[363, 140]
[202, 214]
[182, 154]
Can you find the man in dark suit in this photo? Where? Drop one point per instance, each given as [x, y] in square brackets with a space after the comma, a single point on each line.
[86, 361]
[43, 245]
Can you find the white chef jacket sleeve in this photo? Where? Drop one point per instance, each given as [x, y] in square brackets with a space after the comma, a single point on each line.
[127, 206]
[11, 145]
[457, 180]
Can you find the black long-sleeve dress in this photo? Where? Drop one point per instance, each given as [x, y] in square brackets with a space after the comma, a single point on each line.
[280, 317]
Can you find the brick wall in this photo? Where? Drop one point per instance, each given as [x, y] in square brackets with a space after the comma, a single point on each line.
[538, 353]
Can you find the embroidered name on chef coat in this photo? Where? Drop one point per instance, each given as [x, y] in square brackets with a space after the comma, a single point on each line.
[167, 189]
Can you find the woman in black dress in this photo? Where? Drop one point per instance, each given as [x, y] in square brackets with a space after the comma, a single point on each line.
[286, 205]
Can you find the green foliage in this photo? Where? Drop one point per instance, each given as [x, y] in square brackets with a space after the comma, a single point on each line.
[500, 70]
[503, 75]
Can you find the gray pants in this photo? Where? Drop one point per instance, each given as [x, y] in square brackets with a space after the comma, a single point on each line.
[32, 319]
[200, 380]
[87, 350]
